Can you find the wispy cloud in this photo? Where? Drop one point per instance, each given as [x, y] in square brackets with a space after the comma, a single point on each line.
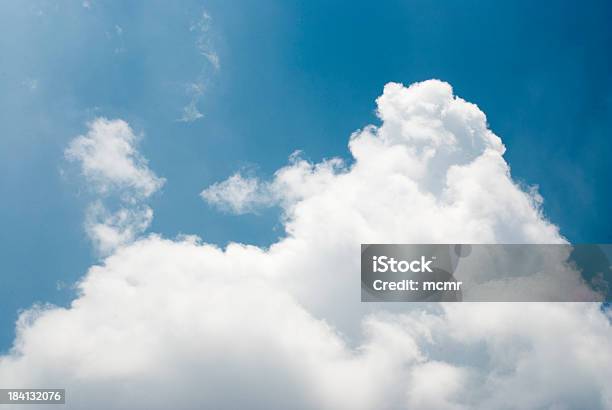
[201, 29]
[30, 83]
[190, 111]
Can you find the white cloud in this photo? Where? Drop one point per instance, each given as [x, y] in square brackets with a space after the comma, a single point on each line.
[31, 84]
[213, 58]
[111, 164]
[108, 230]
[205, 47]
[177, 323]
[237, 194]
[110, 160]
[436, 385]
[203, 40]
[191, 111]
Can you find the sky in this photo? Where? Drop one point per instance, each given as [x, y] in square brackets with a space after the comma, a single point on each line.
[214, 88]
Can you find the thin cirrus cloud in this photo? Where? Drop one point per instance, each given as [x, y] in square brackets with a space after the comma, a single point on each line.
[204, 46]
[184, 324]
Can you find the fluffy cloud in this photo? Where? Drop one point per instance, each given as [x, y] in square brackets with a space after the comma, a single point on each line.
[237, 194]
[183, 324]
[110, 160]
[112, 166]
[110, 230]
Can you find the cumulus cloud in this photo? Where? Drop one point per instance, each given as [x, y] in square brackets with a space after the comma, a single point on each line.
[110, 230]
[110, 160]
[112, 166]
[184, 324]
[240, 195]
[237, 194]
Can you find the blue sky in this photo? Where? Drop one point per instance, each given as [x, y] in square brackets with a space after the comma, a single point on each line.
[292, 75]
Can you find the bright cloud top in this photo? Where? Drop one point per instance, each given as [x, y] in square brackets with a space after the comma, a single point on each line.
[182, 324]
[432, 171]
